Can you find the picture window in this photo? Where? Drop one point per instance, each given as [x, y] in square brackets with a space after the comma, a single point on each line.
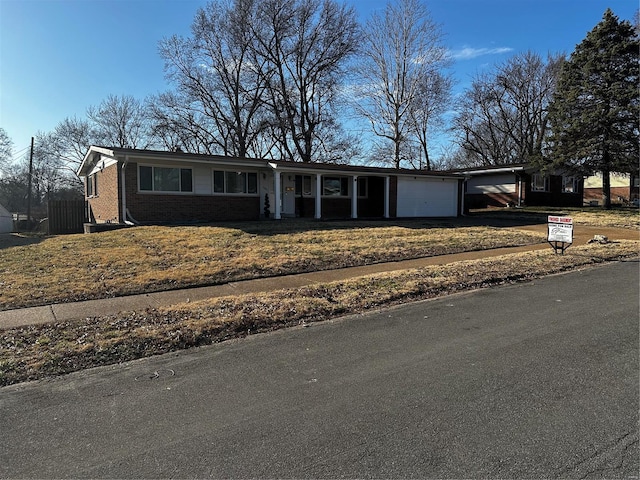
[335, 186]
[165, 179]
[235, 182]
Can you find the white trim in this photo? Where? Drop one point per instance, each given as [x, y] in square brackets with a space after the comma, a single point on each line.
[123, 189]
[354, 197]
[277, 195]
[489, 171]
[318, 212]
[101, 164]
[386, 196]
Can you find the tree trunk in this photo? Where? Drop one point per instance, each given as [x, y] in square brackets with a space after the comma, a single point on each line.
[606, 189]
[426, 157]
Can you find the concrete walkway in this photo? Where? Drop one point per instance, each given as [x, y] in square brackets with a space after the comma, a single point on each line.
[62, 312]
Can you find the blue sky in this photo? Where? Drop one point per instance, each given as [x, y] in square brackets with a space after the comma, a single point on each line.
[58, 57]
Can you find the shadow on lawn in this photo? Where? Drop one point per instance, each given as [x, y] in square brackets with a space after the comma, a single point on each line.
[300, 225]
[479, 219]
[8, 240]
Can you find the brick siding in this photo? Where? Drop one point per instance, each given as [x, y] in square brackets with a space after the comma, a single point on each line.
[104, 207]
[554, 197]
[151, 207]
[177, 208]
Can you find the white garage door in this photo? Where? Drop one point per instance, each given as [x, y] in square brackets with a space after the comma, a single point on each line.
[427, 197]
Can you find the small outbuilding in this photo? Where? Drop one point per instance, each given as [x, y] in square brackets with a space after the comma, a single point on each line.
[6, 221]
[125, 185]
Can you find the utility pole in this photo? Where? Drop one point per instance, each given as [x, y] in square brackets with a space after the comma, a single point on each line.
[29, 183]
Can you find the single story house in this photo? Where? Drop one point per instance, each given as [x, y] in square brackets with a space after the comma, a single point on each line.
[624, 188]
[6, 221]
[519, 185]
[125, 185]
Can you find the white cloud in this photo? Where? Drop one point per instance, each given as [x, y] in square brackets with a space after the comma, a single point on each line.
[468, 53]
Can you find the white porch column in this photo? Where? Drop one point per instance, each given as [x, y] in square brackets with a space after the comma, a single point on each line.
[386, 197]
[318, 214]
[278, 195]
[354, 197]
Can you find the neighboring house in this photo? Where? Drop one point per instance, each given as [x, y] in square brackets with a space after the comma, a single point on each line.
[144, 186]
[6, 221]
[519, 185]
[624, 188]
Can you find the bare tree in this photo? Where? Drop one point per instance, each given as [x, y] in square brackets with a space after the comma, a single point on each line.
[219, 82]
[71, 139]
[121, 121]
[177, 122]
[6, 148]
[304, 46]
[51, 172]
[502, 118]
[402, 50]
[431, 102]
[50, 179]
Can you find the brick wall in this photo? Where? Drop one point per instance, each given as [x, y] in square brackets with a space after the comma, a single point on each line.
[104, 207]
[554, 197]
[336, 207]
[160, 208]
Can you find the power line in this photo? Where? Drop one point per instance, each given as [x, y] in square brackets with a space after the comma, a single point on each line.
[20, 152]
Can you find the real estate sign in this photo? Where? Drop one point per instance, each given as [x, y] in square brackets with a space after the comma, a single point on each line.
[560, 229]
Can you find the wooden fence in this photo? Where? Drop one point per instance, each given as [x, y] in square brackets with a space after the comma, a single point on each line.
[66, 216]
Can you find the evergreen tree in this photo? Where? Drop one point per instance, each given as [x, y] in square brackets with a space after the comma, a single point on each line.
[595, 111]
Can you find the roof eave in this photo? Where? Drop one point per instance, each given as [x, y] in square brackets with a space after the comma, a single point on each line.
[93, 149]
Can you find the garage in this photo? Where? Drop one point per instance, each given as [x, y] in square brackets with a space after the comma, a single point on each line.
[427, 197]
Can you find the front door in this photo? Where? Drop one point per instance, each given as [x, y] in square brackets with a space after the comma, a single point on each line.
[288, 200]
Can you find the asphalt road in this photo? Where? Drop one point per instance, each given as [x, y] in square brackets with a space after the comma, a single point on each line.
[527, 381]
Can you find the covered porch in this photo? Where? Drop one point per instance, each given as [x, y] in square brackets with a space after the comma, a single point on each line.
[329, 194]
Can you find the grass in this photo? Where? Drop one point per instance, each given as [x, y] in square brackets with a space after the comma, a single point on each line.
[146, 259]
[620, 217]
[38, 351]
[75, 267]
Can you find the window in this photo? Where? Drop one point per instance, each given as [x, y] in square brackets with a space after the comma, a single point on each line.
[539, 183]
[335, 186]
[165, 179]
[569, 184]
[363, 185]
[235, 182]
[92, 185]
[303, 185]
[146, 178]
[218, 182]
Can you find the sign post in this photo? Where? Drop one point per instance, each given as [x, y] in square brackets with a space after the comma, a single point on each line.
[560, 233]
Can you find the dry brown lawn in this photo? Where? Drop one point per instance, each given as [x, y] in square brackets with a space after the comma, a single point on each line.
[145, 259]
[42, 270]
[589, 216]
[41, 350]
